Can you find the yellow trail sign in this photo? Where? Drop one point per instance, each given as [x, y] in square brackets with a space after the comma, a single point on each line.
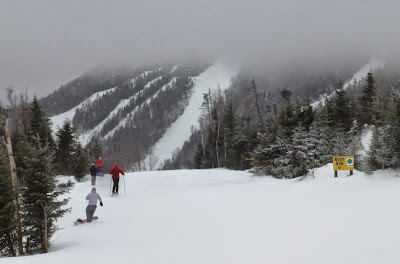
[343, 163]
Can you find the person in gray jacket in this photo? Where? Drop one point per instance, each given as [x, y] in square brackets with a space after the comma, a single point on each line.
[91, 208]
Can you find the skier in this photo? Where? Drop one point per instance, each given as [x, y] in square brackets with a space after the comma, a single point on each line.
[91, 208]
[115, 171]
[93, 171]
[99, 165]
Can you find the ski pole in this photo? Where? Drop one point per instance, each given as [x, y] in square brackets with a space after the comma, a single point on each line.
[110, 184]
[124, 185]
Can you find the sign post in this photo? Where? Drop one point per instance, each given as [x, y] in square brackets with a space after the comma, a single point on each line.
[343, 163]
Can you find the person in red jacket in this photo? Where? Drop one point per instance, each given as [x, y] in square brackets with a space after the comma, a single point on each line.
[115, 171]
[99, 164]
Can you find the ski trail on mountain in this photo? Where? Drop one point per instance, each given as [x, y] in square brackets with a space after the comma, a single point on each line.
[85, 137]
[58, 120]
[373, 63]
[122, 123]
[220, 73]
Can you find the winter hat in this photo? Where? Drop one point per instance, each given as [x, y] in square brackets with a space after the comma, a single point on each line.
[94, 189]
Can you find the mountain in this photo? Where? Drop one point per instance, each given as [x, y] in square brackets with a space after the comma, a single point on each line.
[147, 114]
[132, 108]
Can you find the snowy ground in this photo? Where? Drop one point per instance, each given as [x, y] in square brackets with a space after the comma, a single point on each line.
[221, 216]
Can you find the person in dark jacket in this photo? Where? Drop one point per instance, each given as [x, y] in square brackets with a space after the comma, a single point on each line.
[115, 171]
[93, 172]
[93, 196]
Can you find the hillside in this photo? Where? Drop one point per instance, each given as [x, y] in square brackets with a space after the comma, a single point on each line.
[154, 104]
[223, 216]
[156, 96]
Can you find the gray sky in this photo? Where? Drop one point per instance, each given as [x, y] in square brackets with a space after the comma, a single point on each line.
[45, 43]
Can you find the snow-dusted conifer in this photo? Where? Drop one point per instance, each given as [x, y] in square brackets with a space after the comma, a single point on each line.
[66, 142]
[385, 153]
[41, 205]
[354, 144]
[79, 163]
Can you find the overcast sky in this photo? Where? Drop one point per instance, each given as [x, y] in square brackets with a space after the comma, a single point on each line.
[45, 43]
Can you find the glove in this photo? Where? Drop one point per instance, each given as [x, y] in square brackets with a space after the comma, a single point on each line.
[101, 203]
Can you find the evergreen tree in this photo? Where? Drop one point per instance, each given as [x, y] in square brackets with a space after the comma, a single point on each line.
[393, 117]
[281, 166]
[314, 141]
[326, 115]
[386, 151]
[244, 142]
[80, 163]
[321, 134]
[65, 148]
[40, 125]
[21, 147]
[8, 236]
[371, 163]
[94, 148]
[341, 109]
[378, 112]
[302, 155]
[354, 144]
[41, 205]
[231, 156]
[202, 158]
[287, 118]
[365, 116]
[305, 114]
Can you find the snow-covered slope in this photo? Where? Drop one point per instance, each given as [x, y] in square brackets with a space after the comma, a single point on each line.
[374, 63]
[221, 216]
[85, 137]
[220, 73]
[58, 120]
[124, 120]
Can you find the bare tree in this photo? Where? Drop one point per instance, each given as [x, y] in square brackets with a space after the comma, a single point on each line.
[152, 161]
[219, 106]
[7, 143]
[253, 86]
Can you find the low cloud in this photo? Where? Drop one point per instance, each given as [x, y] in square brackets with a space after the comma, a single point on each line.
[46, 43]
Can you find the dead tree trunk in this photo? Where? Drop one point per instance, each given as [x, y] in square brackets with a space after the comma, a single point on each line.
[203, 144]
[13, 167]
[253, 84]
[216, 146]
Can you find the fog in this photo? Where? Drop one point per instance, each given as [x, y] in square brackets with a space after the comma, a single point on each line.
[49, 42]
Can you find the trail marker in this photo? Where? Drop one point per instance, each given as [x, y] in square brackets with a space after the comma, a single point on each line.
[343, 163]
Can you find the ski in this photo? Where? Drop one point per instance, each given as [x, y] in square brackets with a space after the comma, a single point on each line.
[82, 221]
